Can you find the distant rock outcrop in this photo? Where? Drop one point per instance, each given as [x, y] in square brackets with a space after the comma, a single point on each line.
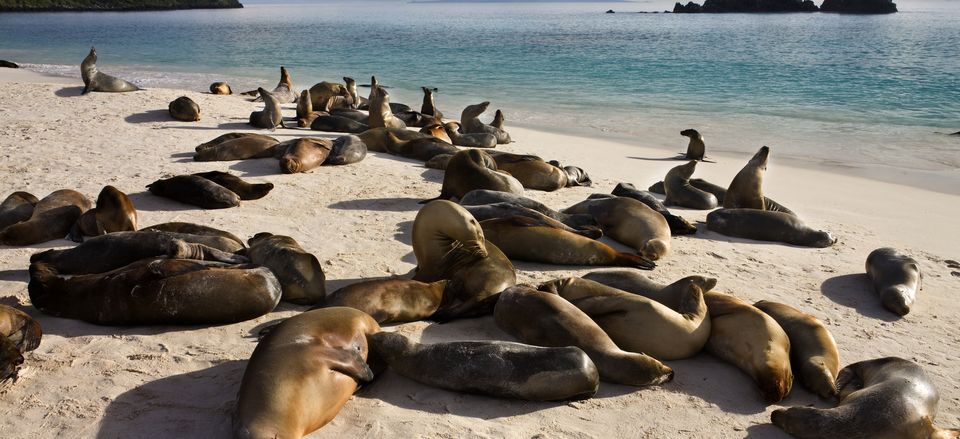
[748, 6]
[113, 5]
[859, 6]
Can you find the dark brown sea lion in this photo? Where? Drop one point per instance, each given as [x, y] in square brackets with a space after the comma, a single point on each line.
[545, 319]
[678, 225]
[506, 210]
[630, 222]
[473, 169]
[377, 139]
[298, 271]
[482, 196]
[766, 225]
[633, 282]
[302, 373]
[473, 140]
[237, 148]
[381, 115]
[695, 149]
[429, 107]
[305, 154]
[270, 117]
[470, 123]
[532, 171]
[746, 189]
[185, 109]
[720, 192]
[221, 88]
[391, 301]
[423, 149]
[94, 80]
[19, 333]
[114, 213]
[230, 136]
[497, 119]
[681, 193]
[438, 131]
[198, 191]
[52, 218]
[157, 292]
[244, 190]
[17, 207]
[354, 115]
[813, 351]
[346, 150]
[895, 277]
[493, 368]
[337, 124]
[885, 398]
[230, 243]
[576, 176]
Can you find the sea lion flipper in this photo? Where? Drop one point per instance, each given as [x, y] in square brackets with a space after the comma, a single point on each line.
[350, 363]
[212, 254]
[599, 306]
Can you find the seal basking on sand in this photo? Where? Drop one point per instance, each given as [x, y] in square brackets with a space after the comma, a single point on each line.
[52, 218]
[93, 80]
[270, 117]
[185, 109]
[895, 277]
[473, 169]
[393, 300]
[298, 271]
[767, 225]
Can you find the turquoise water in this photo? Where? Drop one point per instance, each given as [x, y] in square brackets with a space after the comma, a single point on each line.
[823, 87]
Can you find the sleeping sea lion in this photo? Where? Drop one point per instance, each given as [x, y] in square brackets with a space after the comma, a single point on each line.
[473, 169]
[52, 218]
[505, 210]
[299, 272]
[237, 148]
[423, 149]
[391, 301]
[337, 124]
[198, 191]
[19, 333]
[221, 88]
[230, 242]
[473, 140]
[532, 171]
[479, 197]
[346, 150]
[244, 190]
[630, 222]
[17, 207]
[185, 109]
[895, 277]
[305, 154]
[438, 131]
[377, 139]
[678, 225]
[633, 282]
[767, 225]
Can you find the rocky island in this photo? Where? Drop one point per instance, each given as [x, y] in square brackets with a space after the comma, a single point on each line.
[113, 5]
[841, 6]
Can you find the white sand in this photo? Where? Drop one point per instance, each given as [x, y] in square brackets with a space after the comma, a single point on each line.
[93, 381]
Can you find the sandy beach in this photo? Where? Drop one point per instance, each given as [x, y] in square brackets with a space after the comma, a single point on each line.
[108, 382]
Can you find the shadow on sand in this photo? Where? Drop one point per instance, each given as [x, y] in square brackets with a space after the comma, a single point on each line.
[150, 116]
[855, 291]
[68, 92]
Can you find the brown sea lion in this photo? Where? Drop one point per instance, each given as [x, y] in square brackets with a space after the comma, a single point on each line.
[298, 271]
[680, 193]
[198, 191]
[497, 119]
[429, 107]
[439, 161]
[346, 150]
[545, 319]
[237, 148]
[114, 213]
[633, 282]
[582, 222]
[377, 139]
[337, 124]
[94, 80]
[284, 91]
[576, 176]
[438, 131]
[305, 113]
[380, 113]
[630, 222]
[230, 136]
[17, 207]
[493, 368]
[695, 149]
[885, 398]
[720, 192]
[232, 243]
[470, 123]
[507, 210]
[244, 190]
[302, 373]
[531, 171]
[52, 218]
[473, 140]
[766, 225]
[473, 169]
[744, 336]
[185, 109]
[813, 351]
[678, 225]
[271, 116]
[746, 189]
[895, 277]
[221, 88]
[322, 92]
[391, 301]
[423, 149]
[305, 154]
[19, 333]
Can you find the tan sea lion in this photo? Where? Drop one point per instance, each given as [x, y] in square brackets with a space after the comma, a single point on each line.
[221, 88]
[322, 92]
[19, 333]
[298, 271]
[429, 107]
[244, 190]
[545, 319]
[346, 150]
[633, 282]
[114, 213]
[52, 218]
[438, 131]
[680, 193]
[493, 368]
[302, 373]
[746, 189]
[639, 324]
[231, 136]
[532, 171]
[305, 154]
[767, 225]
[185, 109]
[198, 191]
[377, 139]
[895, 277]
[337, 124]
[423, 149]
[885, 398]
[473, 140]
[813, 351]
[271, 116]
[94, 80]
[391, 301]
[630, 222]
[479, 197]
[17, 207]
[380, 113]
[695, 149]
[439, 161]
[507, 210]
[470, 123]
[744, 336]
[678, 225]
[238, 148]
[473, 169]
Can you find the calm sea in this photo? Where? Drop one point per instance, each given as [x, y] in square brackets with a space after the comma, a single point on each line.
[861, 90]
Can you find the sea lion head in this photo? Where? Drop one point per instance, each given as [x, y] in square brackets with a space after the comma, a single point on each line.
[473, 111]
[760, 158]
[686, 170]
[690, 132]
[290, 165]
[285, 77]
[654, 249]
[455, 226]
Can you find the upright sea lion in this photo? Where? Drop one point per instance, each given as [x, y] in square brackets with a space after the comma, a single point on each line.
[322, 92]
[424, 148]
[744, 336]
[766, 225]
[545, 319]
[895, 277]
[633, 282]
[813, 351]
[284, 91]
[17, 207]
[532, 171]
[720, 192]
[52, 218]
[185, 109]
[493, 368]
[244, 190]
[346, 150]
[305, 113]
[695, 149]
[391, 301]
[576, 176]
[470, 123]
[678, 225]
[380, 113]
[438, 131]
[270, 117]
[305, 154]
[337, 124]
[234, 243]
[298, 271]
[746, 189]
[483, 196]
[221, 88]
[157, 292]
[114, 213]
[429, 107]
[94, 80]
[223, 138]
[505, 210]
[19, 333]
[497, 120]
[680, 193]
[885, 398]
[639, 324]
[302, 373]
[238, 148]
[630, 222]
[377, 139]
[473, 169]
[473, 140]
[198, 191]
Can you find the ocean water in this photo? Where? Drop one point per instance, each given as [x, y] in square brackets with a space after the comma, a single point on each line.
[837, 89]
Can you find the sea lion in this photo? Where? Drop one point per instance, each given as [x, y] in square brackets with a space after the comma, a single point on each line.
[746, 189]
[483, 196]
[284, 91]
[473, 169]
[630, 222]
[526, 239]
[380, 113]
[765, 225]
[885, 398]
[377, 139]
[576, 176]
[185, 109]
[198, 191]
[744, 336]
[720, 192]
[470, 123]
[472, 140]
[270, 117]
[52, 218]
[17, 207]
[19, 333]
[302, 373]
[223, 138]
[322, 92]
[680, 193]
[532, 171]
[695, 149]
[813, 351]
[355, 115]
[346, 150]
[416, 119]
[244, 190]
[305, 154]
[305, 113]
[545, 319]
[221, 88]
[353, 100]
[678, 225]
[230, 241]
[639, 324]
[391, 301]
[114, 213]
[633, 282]
[439, 161]
[299, 272]
[497, 120]
[896, 278]
[493, 368]
[157, 292]
[438, 131]
[337, 124]
[508, 210]
[429, 107]
[449, 244]
[238, 148]
[94, 80]
[422, 149]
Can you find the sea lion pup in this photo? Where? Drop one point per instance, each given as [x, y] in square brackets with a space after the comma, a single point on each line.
[391, 301]
[108, 252]
[885, 398]
[576, 176]
[298, 271]
[198, 191]
[639, 324]
[244, 190]
[526, 239]
[305, 154]
[429, 108]
[94, 80]
[114, 213]
[494, 368]
[52, 218]
[630, 222]
[270, 117]
[223, 138]
[531, 171]
[422, 149]
[185, 109]
[545, 319]
[439, 161]
[201, 230]
[470, 123]
[695, 149]
[337, 124]
[895, 277]
[472, 140]
[377, 139]
[473, 169]
[813, 351]
[744, 336]
[380, 113]
[746, 189]
[765, 225]
[305, 113]
[346, 150]
[438, 131]
[238, 148]
[720, 192]
[449, 244]
[479, 197]
[633, 282]
[302, 373]
[322, 92]
[19, 333]
[678, 225]
[497, 120]
[17, 207]
[680, 193]
[221, 88]
[508, 210]
[157, 292]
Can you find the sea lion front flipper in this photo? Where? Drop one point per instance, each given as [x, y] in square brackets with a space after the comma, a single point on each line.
[350, 363]
[598, 307]
[10, 360]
